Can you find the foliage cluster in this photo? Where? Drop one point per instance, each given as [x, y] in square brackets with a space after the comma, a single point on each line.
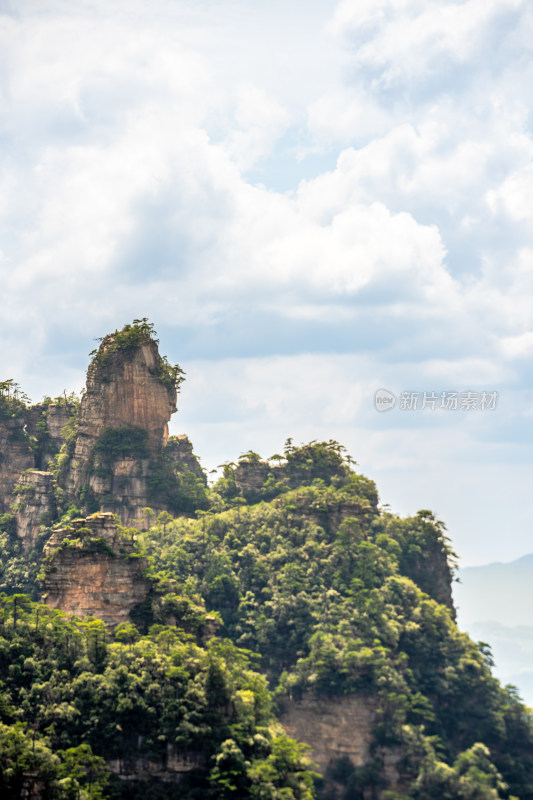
[44, 447]
[334, 596]
[128, 441]
[321, 585]
[252, 480]
[13, 402]
[126, 342]
[70, 400]
[80, 694]
[60, 462]
[18, 568]
[176, 487]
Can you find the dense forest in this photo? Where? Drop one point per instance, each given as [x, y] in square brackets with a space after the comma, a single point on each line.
[283, 586]
[312, 590]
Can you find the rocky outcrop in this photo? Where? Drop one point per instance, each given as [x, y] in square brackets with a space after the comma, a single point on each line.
[341, 729]
[179, 451]
[15, 457]
[91, 569]
[45, 424]
[33, 504]
[29, 439]
[109, 453]
[122, 427]
[334, 727]
[250, 475]
[171, 769]
[124, 389]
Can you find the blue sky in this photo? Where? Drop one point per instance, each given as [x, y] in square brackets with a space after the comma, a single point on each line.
[311, 201]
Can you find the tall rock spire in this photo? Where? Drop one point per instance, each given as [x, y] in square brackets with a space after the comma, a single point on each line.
[122, 424]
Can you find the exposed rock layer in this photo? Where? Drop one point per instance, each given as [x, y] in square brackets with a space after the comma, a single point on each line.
[45, 422]
[124, 391]
[341, 728]
[170, 770]
[33, 504]
[15, 457]
[179, 450]
[92, 571]
[334, 727]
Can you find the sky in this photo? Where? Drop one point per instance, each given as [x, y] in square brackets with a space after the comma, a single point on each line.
[312, 202]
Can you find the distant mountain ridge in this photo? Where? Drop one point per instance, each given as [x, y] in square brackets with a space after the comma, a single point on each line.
[495, 604]
[499, 591]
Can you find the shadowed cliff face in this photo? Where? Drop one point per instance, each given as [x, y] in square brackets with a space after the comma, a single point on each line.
[15, 457]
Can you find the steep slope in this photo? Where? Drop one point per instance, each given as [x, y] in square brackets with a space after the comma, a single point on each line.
[84, 716]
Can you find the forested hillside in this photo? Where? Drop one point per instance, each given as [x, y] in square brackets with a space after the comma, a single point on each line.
[230, 624]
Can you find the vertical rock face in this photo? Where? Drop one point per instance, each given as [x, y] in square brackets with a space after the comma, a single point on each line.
[333, 727]
[111, 452]
[341, 728]
[122, 427]
[29, 439]
[124, 388]
[180, 451]
[46, 422]
[33, 504]
[15, 457]
[92, 570]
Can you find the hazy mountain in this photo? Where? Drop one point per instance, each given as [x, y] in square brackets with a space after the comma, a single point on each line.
[495, 605]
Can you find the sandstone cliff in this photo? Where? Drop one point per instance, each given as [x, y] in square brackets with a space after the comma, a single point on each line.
[110, 452]
[30, 437]
[34, 504]
[45, 425]
[120, 459]
[340, 732]
[179, 450]
[122, 426]
[15, 457]
[91, 569]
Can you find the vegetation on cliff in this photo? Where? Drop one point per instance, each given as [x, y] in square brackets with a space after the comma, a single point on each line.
[71, 695]
[334, 596]
[125, 342]
[337, 598]
[13, 402]
[284, 580]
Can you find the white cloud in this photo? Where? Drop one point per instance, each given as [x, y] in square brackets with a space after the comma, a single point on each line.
[409, 38]
[260, 121]
[347, 114]
[130, 138]
[514, 196]
[518, 346]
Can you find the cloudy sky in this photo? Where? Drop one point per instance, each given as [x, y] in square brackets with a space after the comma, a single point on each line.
[311, 201]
